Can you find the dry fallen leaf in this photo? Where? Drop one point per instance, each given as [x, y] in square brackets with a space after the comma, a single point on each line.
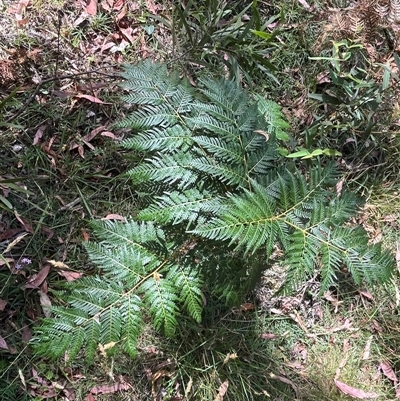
[37, 279]
[285, 380]
[70, 276]
[367, 295]
[367, 348]
[223, 388]
[388, 371]
[3, 344]
[305, 4]
[151, 6]
[85, 235]
[110, 389]
[114, 217]
[27, 226]
[2, 304]
[269, 336]
[230, 356]
[58, 264]
[103, 348]
[354, 392]
[26, 334]
[45, 303]
[91, 7]
[39, 134]
[9, 233]
[91, 98]
[109, 135]
[6, 261]
[12, 244]
[19, 8]
[90, 397]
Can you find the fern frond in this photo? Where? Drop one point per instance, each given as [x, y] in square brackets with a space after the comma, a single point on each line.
[226, 173]
[225, 152]
[162, 300]
[171, 169]
[163, 140]
[189, 282]
[177, 207]
[247, 220]
[217, 191]
[111, 325]
[272, 114]
[130, 311]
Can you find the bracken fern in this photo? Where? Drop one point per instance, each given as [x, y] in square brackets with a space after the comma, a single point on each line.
[222, 201]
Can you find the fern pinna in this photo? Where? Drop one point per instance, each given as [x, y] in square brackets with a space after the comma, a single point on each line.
[221, 200]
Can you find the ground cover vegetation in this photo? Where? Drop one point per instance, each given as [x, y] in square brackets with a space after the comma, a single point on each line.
[210, 226]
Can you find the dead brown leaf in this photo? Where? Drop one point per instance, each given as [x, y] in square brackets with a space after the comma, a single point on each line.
[90, 397]
[377, 326]
[113, 216]
[48, 231]
[230, 356]
[151, 6]
[367, 349]
[92, 134]
[58, 264]
[91, 98]
[388, 371]
[70, 276]
[85, 235]
[3, 344]
[305, 4]
[354, 392]
[127, 33]
[37, 279]
[39, 134]
[12, 244]
[19, 8]
[110, 5]
[27, 226]
[323, 77]
[285, 380]
[222, 389]
[109, 135]
[367, 295]
[269, 336]
[3, 304]
[9, 233]
[110, 389]
[264, 133]
[6, 261]
[45, 303]
[26, 334]
[91, 7]
[21, 21]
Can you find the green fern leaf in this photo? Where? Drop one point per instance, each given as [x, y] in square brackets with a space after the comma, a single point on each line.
[160, 295]
[131, 312]
[189, 283]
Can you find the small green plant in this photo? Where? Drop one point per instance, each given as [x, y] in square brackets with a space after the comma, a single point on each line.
[212, 32]
[357, 101]
[219, 201]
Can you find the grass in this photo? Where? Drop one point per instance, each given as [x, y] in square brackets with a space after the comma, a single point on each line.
[261, 354]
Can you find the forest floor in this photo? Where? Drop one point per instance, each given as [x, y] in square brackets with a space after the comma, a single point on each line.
[60, 166]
